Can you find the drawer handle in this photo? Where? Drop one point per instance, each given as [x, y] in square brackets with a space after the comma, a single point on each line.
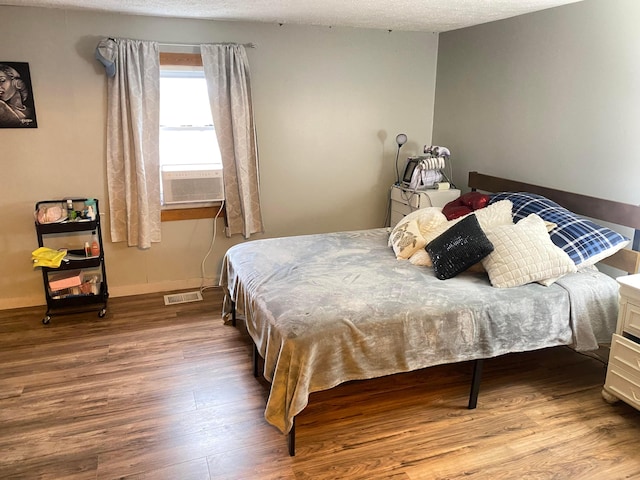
[635, 397]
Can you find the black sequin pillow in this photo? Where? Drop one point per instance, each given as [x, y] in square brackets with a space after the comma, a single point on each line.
[458, 248]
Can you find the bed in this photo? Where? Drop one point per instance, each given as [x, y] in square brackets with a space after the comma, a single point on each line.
[330, 308]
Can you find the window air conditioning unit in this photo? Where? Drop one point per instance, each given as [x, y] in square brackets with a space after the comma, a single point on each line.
[192, 186]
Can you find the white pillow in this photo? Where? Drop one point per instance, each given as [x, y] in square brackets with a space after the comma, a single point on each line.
[426, 216]
[406, 239]
[498, 213]
[524, 253]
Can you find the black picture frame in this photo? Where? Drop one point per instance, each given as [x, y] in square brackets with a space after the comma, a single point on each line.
[17, 105]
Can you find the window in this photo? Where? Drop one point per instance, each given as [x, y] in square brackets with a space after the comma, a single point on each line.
[190, 163]
[187, 136]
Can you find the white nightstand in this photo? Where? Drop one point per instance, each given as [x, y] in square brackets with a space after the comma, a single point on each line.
[623, 371]
[404, 201]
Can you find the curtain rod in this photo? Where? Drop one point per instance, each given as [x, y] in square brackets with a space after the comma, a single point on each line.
[246, 45]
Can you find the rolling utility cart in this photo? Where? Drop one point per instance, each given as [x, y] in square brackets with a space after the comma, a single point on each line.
[80, 282]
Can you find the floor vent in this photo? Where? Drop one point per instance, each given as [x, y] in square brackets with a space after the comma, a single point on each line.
[182, 298]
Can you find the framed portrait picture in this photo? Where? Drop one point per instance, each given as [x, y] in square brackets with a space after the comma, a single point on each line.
[17, 106]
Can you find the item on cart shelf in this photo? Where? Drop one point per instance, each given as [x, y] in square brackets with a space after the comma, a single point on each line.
[71, 213]
[66, 279]
[50, 213]
[95, 246]
[91, 284]
[47, 257]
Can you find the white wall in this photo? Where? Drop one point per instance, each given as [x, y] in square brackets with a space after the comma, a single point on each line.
[328, 105]
[547, 98]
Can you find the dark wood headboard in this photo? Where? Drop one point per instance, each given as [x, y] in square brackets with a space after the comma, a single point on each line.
[600, 209]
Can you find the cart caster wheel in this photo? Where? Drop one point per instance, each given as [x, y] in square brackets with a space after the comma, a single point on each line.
[102, 313]
[46, 320]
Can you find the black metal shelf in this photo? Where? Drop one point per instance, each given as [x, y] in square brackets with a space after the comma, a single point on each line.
[66, 227]
[75, 300]
[91, 262]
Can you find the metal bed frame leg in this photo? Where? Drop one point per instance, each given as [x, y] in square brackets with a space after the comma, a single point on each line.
[291, 439]
[256, 359]
[233, 313]
[473, 398]
[475, 383]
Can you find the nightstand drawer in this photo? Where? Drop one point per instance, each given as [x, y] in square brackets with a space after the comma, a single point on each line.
[623, 371]
[399, 211]
[625, 352]
[409, 198]
[423, 198]
[402, 208]
[623, 385]
[631, 321]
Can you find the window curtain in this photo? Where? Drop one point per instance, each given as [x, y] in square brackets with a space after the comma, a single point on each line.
[133, 162]
[226, 69]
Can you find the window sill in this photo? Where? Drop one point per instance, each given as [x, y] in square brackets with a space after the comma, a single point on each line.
[193, 213]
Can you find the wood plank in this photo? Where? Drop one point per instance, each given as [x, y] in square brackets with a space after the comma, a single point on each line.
[155, 391]
[181, 59]
[626, 260]
[174, 214]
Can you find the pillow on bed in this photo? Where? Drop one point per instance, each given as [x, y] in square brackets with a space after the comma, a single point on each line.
[498, 213]
[524, 253]
[460, 247]
[419, 215]
[426, 219]
[422, 258]
[583, 240]
[406, 239]
[465, 204]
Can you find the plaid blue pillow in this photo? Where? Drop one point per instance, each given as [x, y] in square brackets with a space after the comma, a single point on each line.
[583, 240]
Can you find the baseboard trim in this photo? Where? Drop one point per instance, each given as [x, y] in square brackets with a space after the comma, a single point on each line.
[121, 291]
[142, 289]
[20, 302]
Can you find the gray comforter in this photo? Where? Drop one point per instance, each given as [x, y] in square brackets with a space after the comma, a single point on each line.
[329, 308]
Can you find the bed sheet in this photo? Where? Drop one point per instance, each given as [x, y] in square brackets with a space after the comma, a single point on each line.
[329, 308]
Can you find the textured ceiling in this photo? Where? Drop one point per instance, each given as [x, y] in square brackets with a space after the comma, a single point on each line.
[410, 15]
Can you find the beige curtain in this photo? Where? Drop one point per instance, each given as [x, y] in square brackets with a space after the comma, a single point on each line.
[226, 69]
[133, 116]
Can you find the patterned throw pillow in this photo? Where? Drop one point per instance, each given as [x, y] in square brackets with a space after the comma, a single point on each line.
[583, 240]
[406, 239]
[426, 218]
[498, 213]
[458, 248]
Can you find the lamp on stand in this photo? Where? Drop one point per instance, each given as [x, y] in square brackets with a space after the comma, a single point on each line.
[401, 139]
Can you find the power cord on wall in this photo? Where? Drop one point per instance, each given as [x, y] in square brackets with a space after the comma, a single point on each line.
[387, 218]
[213, 240]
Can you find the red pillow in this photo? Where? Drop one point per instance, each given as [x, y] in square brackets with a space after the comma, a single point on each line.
[465, 204]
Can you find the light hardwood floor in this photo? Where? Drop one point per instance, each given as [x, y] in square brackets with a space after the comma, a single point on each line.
[157, 392]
